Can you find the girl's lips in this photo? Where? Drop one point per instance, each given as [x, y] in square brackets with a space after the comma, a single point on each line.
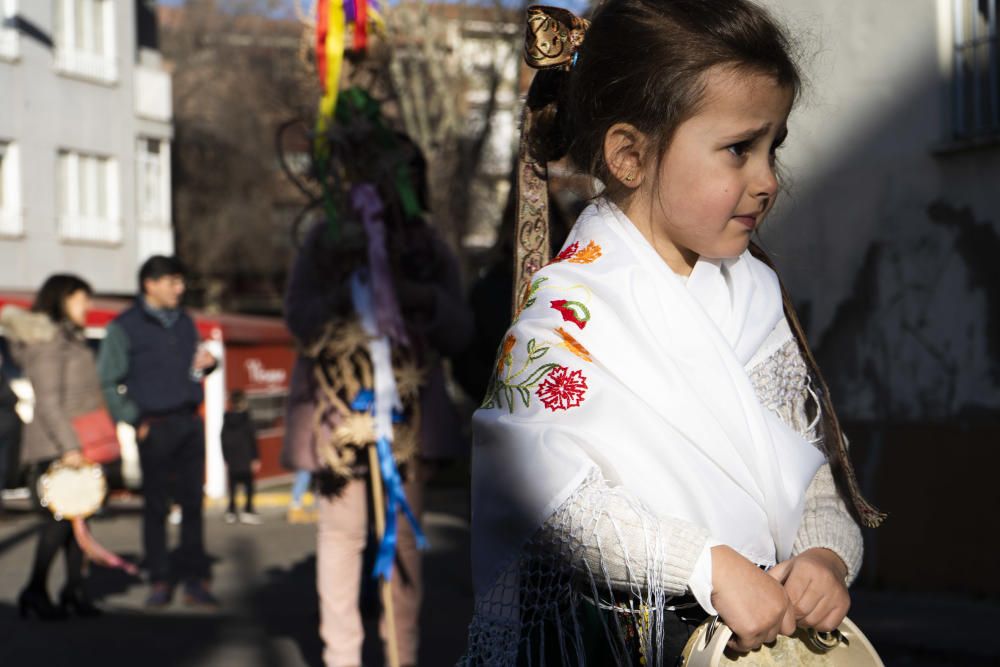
[748, 220]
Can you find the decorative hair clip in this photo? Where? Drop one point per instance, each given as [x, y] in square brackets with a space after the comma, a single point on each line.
[553, 37]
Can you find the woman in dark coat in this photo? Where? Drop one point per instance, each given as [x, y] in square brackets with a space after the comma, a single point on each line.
[49, 346]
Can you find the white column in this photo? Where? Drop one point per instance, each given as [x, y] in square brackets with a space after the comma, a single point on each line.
[215, 408]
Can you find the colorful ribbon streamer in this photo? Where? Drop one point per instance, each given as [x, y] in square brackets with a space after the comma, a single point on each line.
[383, 403]
[365, 402]
[394, 491]
[333, 19]
[97, 553]
[395, 500]
[388, 316]
[330, 29]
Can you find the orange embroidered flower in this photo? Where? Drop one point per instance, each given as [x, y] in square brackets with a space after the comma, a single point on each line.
[588, 255]
[573, 345]
[505, 350]
[574, 255]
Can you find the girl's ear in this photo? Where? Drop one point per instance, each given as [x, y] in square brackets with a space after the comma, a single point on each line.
[624, 153]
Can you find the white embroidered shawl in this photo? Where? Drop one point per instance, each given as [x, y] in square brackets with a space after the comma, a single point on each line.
[616, 365]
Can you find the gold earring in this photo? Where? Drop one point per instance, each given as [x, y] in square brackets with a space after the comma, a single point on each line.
[629, 177]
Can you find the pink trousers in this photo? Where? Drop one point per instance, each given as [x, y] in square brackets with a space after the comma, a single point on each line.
[342, 535]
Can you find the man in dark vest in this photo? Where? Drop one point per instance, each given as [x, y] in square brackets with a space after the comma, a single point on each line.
[151, 364]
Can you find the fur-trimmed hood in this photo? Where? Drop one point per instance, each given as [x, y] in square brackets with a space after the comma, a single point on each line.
[23, 326]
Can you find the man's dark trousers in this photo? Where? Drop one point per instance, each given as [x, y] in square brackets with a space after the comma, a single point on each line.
[173, 466]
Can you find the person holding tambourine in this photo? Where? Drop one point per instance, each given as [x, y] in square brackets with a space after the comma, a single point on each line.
[48, 344]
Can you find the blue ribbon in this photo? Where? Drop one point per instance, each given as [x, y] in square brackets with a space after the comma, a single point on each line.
[395, 500]
[365, 402]
[394, 492]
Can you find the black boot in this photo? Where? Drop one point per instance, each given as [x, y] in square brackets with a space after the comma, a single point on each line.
[37, 602]
[74, 599]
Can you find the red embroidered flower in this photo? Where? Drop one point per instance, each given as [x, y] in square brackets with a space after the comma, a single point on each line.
[562, 389]
[567, 252]
[571, 311]
[573, 254]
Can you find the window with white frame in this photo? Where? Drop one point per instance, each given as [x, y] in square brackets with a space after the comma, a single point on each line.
[976, 77]
[11, 222]
[88, 198]
[153, 181]
[9, 47]
[85, 39]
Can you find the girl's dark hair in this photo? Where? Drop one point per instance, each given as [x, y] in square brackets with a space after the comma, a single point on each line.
[51, 298]
[643, 62]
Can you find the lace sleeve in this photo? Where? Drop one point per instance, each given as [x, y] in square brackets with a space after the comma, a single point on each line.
[607, 535]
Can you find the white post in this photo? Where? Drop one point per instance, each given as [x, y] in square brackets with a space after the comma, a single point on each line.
[215, 408]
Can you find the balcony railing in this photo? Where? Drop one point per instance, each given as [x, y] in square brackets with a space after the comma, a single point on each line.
[153, 93]
[90, 229]
[94, 66]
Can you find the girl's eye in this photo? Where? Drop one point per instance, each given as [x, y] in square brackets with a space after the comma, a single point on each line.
[777, 144]
[739, 149]
[773, 157]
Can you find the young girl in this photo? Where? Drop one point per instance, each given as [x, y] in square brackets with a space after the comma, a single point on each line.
[657, 444]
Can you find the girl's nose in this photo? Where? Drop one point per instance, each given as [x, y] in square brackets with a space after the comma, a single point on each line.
[765, 183]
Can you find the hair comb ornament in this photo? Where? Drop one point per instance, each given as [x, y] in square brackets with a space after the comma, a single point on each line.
[553, 37]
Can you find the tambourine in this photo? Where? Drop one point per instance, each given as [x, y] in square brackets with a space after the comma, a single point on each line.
[846, 646]
[72, 492]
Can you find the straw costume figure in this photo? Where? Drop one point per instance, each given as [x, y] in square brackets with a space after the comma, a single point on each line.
[374, 302]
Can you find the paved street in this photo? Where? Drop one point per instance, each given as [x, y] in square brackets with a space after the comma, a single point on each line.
[265, 579]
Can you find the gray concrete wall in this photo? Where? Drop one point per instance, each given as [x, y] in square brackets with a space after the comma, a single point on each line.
[887, 241]
[44, 111]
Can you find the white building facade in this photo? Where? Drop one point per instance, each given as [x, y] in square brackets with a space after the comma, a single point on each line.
[85, 130]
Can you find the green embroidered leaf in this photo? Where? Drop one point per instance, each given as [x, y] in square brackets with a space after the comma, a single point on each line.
[491, 392]
[525, 396]
[537, 375]
[534, 352]
[509, 395]
[583, 313]
[538, 353]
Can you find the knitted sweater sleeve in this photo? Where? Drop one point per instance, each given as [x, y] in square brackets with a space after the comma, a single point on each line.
[827, 523]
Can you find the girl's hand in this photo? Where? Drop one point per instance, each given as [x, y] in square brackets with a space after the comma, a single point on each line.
[73, 458]
[753, 605]
[814, 582]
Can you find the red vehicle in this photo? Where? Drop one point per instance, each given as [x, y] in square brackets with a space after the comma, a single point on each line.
[256, 355]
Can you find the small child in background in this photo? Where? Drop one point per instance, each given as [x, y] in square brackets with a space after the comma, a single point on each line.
[239, 449]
